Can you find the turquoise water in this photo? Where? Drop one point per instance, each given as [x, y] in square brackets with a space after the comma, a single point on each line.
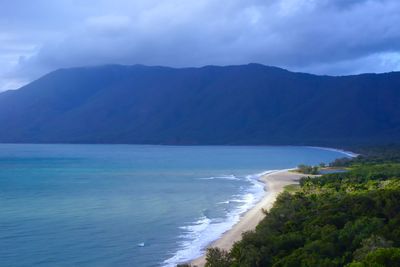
[128, 205]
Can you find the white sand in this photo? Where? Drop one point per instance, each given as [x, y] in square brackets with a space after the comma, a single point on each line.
[275, 183]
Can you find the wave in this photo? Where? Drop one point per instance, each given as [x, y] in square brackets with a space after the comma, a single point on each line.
[227, 177]
[235, 200]
[345, 152]
[199, 234]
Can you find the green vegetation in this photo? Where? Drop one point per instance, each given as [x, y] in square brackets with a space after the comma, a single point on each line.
[306, 169]
[292, 188]
[341, 219]
[371, 155]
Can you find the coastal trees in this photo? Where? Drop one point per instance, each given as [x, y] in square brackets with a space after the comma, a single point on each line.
[306, 169]
[340, 219]
[379, 257]
[217, 258]
[370, 244]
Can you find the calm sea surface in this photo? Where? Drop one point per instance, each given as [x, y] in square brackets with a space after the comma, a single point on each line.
[128, 205]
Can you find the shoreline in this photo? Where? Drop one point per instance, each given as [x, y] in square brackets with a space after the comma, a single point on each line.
[345, 152]
[274, 183]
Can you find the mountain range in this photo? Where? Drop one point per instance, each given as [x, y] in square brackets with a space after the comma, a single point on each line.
[245, 105]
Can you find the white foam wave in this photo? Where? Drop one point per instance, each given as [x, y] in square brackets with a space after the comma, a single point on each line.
[345, 152]
[198, 235]
[232, 201]
[227, 177]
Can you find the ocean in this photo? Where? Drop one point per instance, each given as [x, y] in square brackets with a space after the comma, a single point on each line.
[129, 205]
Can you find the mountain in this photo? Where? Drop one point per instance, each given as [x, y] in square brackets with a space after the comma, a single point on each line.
[246, 104]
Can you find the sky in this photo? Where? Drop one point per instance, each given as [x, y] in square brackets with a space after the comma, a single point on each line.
[334, 37]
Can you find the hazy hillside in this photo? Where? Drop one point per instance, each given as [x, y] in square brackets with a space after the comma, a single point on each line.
[249, 104]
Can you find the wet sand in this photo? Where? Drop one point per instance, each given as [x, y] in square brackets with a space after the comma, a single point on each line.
[274, 185]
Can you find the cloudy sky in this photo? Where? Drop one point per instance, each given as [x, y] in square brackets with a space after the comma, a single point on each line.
[334, 37]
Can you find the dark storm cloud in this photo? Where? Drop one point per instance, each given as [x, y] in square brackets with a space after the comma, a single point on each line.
[320, 36]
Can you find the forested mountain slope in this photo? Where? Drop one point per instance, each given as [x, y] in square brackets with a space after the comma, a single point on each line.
[247, 104]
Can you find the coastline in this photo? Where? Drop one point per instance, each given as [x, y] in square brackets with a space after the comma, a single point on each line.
[345, 152]
[274, 184]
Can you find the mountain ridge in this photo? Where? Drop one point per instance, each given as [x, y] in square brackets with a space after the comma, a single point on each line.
[248, 104]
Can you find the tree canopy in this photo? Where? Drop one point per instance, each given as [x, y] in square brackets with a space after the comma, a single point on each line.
[340, 219]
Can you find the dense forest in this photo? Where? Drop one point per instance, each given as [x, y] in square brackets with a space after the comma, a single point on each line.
[340, 219]
[232, 105]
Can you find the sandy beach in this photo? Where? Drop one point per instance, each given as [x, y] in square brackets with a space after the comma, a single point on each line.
[274, 184]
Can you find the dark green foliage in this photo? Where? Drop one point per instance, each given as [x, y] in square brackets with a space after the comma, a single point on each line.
[249, 104]
[306, 169]
[350, 218]
[342, 162]
[369, 245]
[381, 257]
[217, 258]
[371, 155]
